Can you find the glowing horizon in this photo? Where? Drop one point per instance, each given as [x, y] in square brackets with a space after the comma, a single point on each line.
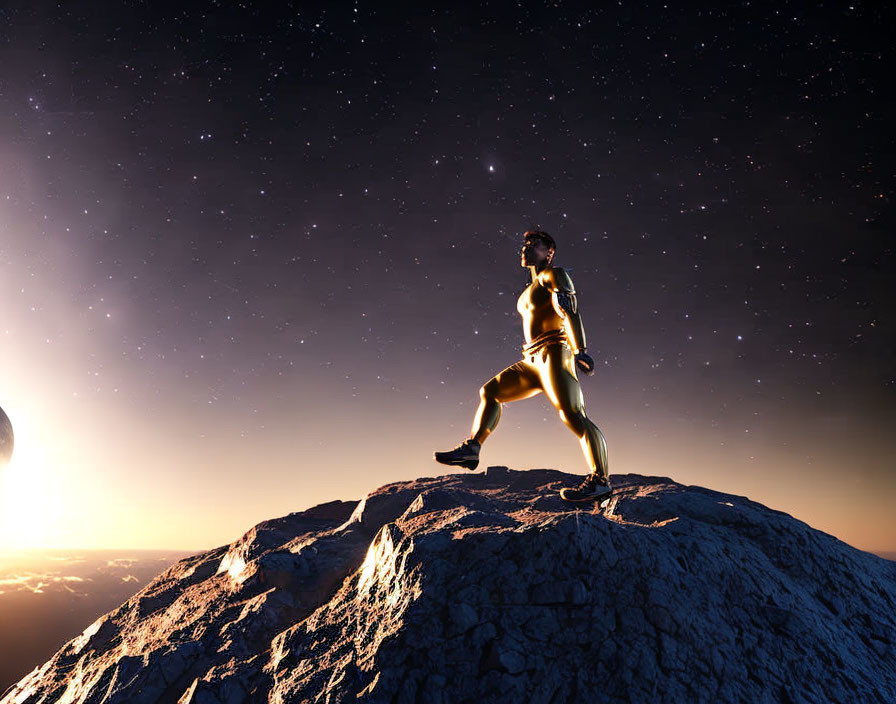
[201, 499]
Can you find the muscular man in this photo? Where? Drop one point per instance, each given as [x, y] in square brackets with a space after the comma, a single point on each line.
[555, 346]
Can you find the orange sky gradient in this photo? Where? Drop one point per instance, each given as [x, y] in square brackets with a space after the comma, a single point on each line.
[126, 470]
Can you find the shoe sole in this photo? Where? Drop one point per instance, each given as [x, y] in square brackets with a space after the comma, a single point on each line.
[468, 463]
[597, 497]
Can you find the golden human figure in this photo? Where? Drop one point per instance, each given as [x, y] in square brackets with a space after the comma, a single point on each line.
[555, 347]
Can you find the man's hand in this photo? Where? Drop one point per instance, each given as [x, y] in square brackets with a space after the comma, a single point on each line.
[585, 363]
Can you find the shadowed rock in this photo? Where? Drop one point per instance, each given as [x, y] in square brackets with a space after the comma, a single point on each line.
[488, 588]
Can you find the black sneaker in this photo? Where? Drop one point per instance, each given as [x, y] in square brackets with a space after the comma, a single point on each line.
[464, 455]
[591, 489]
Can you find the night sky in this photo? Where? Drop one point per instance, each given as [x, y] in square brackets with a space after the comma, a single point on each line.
[257, 257]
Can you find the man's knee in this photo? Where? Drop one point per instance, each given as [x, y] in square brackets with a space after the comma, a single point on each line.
[489, 390]
[574, 418]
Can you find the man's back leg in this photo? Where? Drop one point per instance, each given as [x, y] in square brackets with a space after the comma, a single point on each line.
[562, 388]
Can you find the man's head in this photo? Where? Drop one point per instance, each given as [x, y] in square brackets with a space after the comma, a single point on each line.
[538, 249]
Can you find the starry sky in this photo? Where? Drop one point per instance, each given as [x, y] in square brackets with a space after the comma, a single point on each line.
[254, 257]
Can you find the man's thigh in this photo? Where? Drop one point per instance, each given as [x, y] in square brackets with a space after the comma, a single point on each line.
[518, 381]
[559, 381]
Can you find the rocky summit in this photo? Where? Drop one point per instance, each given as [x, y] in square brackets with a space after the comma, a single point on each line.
[488, 588]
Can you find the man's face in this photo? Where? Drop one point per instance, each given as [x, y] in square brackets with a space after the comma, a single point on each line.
[534, 252]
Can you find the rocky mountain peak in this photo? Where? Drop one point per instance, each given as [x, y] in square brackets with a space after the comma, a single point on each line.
[488, 588]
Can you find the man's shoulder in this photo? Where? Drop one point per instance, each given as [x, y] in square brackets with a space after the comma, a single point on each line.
[555, 278]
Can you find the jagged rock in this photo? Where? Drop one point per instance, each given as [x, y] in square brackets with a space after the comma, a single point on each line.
[487, 588]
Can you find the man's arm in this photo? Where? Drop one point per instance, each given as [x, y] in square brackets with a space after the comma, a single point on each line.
[563, 297]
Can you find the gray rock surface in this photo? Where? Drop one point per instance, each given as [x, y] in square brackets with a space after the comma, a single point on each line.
[487, 588]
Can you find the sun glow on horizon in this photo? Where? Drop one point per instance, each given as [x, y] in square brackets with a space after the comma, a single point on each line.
[29, 502]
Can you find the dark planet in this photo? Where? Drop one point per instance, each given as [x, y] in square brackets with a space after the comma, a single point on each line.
[6, 439]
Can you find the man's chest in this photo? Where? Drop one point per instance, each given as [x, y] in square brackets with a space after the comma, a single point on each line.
[533, 299]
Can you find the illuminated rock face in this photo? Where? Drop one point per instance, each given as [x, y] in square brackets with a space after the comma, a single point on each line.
[488, 588]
